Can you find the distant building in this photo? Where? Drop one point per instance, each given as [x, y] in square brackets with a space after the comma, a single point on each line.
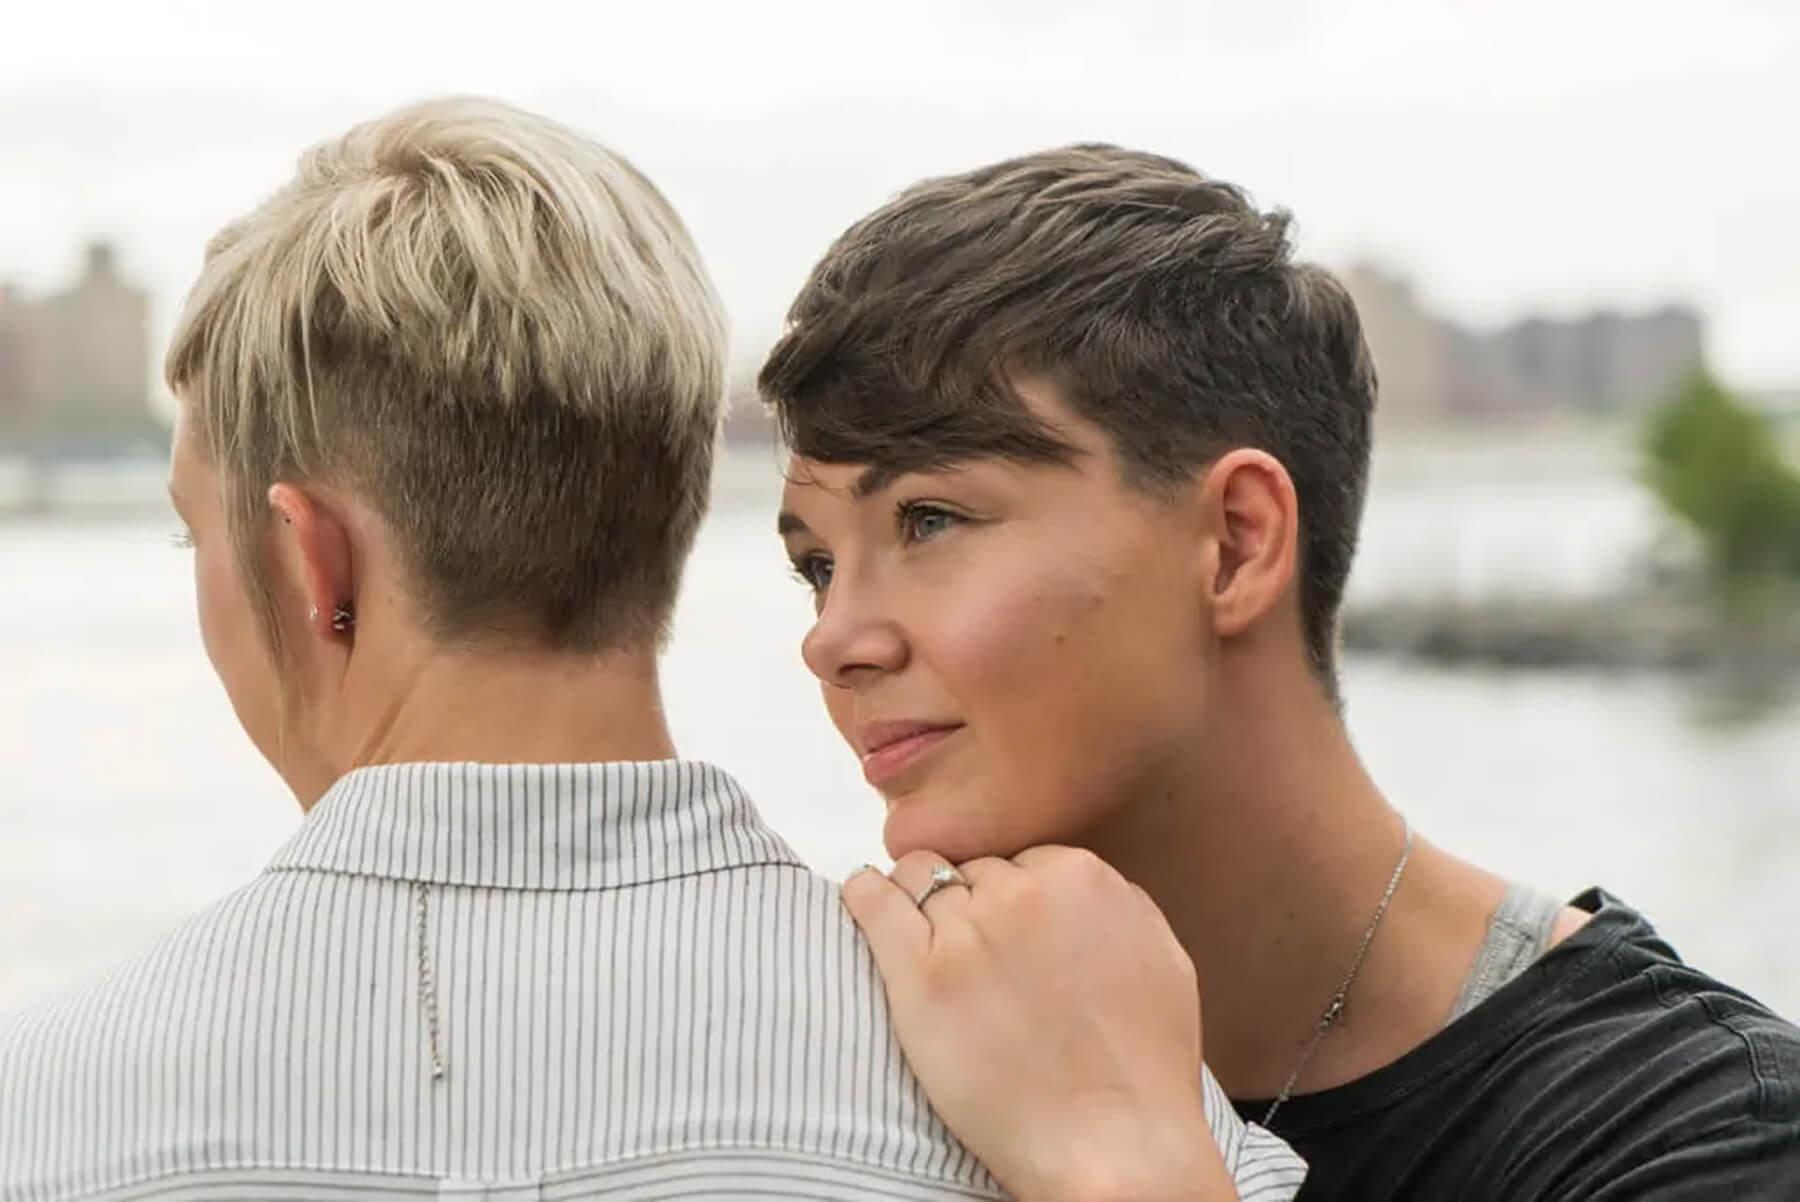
[1604, 362]
[20, 345]
[75, 365]
[1416, 354]
[1434, 370]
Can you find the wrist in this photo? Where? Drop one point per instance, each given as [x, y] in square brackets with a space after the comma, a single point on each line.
[1161, 1162]
[1202, 1181]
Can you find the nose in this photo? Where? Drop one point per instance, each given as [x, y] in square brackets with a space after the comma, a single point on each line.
[853, 639]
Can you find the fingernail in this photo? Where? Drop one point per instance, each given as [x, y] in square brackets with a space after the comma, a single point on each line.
[858, 871]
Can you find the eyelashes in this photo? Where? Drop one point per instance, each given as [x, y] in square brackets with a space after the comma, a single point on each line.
[814, 571]
[915, 522]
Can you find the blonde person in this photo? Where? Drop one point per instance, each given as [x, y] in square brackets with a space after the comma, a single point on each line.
[448, 406]
[1079, 459]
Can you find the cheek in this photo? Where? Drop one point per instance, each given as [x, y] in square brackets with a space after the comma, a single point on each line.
[1030, 640]
[1068, 682]
[212, 603]
[234, 644]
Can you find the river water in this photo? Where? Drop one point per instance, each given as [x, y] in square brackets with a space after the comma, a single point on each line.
[129, 798]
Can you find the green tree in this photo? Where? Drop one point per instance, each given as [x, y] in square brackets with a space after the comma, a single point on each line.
[1716, 463]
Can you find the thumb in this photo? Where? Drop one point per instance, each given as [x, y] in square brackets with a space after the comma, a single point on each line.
[898, 934]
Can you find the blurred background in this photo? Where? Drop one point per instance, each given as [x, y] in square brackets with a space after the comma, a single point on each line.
[1570, 227]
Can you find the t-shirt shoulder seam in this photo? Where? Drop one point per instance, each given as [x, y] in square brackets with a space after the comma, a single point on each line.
[1775, 1102]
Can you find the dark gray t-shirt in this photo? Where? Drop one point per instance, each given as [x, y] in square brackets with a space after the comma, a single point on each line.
[1606, 1070]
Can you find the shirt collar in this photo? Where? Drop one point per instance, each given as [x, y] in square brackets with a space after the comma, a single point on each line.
[533, 826]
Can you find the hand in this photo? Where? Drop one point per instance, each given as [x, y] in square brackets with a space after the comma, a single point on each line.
[1053, 1020]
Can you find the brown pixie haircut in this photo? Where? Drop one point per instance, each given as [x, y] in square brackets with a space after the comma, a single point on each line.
[1165, 307]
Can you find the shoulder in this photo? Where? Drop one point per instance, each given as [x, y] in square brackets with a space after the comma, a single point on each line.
[1615, 1061]
[1608, 1069]
[135, 984]
[1648, 1017]
[781, 1020]
[74, 1068]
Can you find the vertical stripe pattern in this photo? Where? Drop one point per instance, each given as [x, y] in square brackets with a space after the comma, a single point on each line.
[501, 981]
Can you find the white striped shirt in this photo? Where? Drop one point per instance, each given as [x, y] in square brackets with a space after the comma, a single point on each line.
[631, 986]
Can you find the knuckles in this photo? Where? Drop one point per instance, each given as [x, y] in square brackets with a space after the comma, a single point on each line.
[915, 866]
[1050, 884]
[1076, 873]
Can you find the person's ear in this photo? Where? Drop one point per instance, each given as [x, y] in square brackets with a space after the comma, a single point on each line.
[312, 550]
[1253, 517]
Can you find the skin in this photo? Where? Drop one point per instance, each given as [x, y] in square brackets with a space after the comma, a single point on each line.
[1116, 1112]
[384, 691]
[1124, 674]
[1030, 571]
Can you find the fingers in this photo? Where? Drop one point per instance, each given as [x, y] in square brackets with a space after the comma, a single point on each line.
[902, 933]
[1078, 872]
[913, 872]
[987, 871]
[898, 934]
[1144, 898]
[1053, 857]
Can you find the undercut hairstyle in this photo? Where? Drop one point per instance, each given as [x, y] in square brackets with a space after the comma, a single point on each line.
[497, 333]
[1166, 308]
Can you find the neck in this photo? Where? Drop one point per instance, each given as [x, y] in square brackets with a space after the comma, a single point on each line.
[516, 706]
[1270, 866]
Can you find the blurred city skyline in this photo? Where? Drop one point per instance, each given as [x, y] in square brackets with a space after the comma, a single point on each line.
[1548, 158]
[78, 364]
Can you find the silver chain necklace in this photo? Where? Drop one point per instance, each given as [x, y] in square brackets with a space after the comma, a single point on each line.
[1335, 1009]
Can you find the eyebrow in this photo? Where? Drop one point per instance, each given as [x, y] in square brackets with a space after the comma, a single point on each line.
[874, 479]
[869, 481]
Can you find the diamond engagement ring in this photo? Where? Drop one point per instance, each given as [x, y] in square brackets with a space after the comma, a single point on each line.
[942, 877]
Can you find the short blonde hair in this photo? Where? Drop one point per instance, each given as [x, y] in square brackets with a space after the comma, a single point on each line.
[496, 332]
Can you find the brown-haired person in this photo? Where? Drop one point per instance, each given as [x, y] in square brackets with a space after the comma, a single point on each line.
[1078, 462]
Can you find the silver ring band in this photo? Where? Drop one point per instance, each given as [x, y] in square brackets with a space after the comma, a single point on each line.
[942, 877]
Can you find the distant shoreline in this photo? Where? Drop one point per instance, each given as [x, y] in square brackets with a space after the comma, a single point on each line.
[1418, 616]
[1629, 631]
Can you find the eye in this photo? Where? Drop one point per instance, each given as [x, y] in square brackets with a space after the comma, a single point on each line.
[182, 539]
[921, 520]
[813, 570]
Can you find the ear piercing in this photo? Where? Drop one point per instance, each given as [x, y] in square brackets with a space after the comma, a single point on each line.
[343, 618]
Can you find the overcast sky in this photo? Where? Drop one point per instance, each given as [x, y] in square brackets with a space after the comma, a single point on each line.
[1548, 155]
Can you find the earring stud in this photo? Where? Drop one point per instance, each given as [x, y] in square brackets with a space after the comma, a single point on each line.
[342, 617]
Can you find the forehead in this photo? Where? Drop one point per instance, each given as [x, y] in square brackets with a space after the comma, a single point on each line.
[1032, 426]
[846, 481]
[806, 483]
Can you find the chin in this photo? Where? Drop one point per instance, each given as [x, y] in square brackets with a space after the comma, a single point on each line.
[939, 821]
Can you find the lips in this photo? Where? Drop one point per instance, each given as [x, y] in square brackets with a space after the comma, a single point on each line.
[893, 750]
